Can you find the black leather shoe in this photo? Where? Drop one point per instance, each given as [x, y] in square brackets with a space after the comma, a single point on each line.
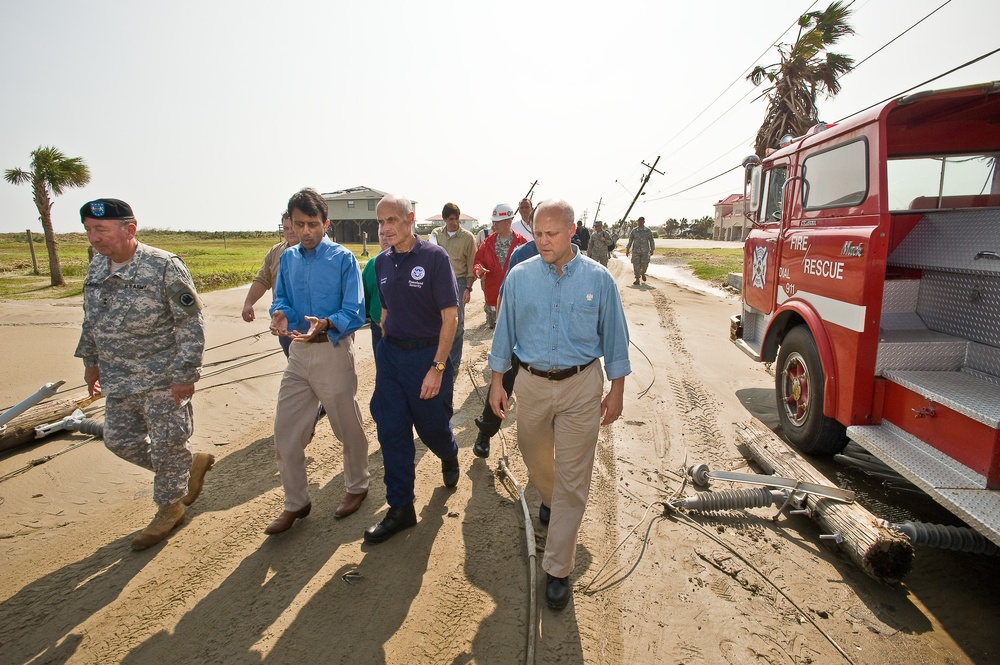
[481, 447]
[556, 592]
[544, 514]
[397, 519]
[449, 471]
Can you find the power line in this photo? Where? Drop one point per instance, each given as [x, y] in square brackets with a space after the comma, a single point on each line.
[738, 166]
[930, 80]
[737, 79]
[890, 98]
[727, 88]
[897, 37]
[868, 57]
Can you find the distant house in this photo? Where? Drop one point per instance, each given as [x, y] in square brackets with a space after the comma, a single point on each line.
[352, 212]
[730, 223]
[465, 221]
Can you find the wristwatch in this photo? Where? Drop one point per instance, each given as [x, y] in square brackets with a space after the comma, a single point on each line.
[439, 365]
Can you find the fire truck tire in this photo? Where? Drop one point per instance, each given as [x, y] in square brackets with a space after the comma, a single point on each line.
[798, 387]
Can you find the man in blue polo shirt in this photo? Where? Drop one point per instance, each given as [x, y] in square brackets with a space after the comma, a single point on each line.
[413, 373]
[318, 303]
[560, 312]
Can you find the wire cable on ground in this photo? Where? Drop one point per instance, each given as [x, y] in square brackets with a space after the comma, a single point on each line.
[688, 520]
[216, 363]
[642, 393]
[510, 483]
[268, 354]
[257, 336]
[645, 542]
[42, 460]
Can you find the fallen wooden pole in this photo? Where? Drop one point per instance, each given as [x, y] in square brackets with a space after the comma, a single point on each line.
[21, 429]
[882, 553]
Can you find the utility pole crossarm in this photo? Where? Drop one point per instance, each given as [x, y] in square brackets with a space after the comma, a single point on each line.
[530, 190]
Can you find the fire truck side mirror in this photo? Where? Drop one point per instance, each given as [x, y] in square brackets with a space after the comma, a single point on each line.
[751, 186]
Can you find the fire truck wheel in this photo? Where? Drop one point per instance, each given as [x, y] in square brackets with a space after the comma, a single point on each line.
[798, 387]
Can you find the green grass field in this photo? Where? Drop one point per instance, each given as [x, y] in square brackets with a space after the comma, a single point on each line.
[712, 265]
[216, 260]
[225, 260]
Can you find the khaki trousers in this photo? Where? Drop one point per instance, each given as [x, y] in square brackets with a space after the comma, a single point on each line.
[557, 427]
[318, 373]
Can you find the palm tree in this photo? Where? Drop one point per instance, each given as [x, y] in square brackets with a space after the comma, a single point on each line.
[50, 170]
[805, 69]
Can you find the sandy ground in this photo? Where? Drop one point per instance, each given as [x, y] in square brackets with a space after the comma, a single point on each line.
[455, 588]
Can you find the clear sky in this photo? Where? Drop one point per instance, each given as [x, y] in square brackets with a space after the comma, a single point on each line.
[208, 115]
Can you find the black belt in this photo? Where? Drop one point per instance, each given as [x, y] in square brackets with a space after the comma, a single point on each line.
[412, 343]
[556, 374]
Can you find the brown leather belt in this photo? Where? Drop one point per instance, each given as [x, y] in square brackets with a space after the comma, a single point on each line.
[556, 374]
[320, 337]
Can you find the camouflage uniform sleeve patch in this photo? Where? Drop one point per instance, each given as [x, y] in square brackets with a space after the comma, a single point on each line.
[185, 296]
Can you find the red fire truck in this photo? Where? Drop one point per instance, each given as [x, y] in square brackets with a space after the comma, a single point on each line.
[871, 280]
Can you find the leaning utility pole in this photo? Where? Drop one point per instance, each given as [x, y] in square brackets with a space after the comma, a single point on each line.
[528, 195]
[598, 209]
[645, 179]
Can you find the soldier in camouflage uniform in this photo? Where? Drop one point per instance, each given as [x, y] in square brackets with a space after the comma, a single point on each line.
[641, 246]
[142, 342]
[600, 244]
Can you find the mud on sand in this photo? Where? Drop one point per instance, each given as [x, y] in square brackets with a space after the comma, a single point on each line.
[453, 589]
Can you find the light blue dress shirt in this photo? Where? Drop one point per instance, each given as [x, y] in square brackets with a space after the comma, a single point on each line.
[324, 282]
[556, 322]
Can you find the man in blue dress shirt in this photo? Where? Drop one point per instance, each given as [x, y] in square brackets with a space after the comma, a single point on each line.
[318, 303]
[560, 312]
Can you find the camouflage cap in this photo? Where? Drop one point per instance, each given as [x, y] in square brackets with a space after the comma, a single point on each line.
[106, 209]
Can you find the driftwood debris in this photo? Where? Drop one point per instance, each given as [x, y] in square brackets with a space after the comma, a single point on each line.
[882, 553]
[21, 430]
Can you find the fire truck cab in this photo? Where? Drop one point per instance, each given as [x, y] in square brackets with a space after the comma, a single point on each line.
[871, 279]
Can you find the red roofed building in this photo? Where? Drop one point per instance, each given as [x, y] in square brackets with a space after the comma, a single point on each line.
[730, 223]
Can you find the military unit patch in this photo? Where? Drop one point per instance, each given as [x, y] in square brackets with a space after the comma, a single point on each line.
[181, 294]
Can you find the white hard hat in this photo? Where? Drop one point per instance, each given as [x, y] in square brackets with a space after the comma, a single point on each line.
[503, 213]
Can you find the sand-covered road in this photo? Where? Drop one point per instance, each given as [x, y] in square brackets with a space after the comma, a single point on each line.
[454, 589]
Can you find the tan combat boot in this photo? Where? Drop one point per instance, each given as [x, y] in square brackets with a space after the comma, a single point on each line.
[167, 517]
[200, 464]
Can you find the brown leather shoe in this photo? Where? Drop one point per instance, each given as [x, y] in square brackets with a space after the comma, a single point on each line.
[200, 464]
[350, 504]
[167, 517]
[286, 519]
